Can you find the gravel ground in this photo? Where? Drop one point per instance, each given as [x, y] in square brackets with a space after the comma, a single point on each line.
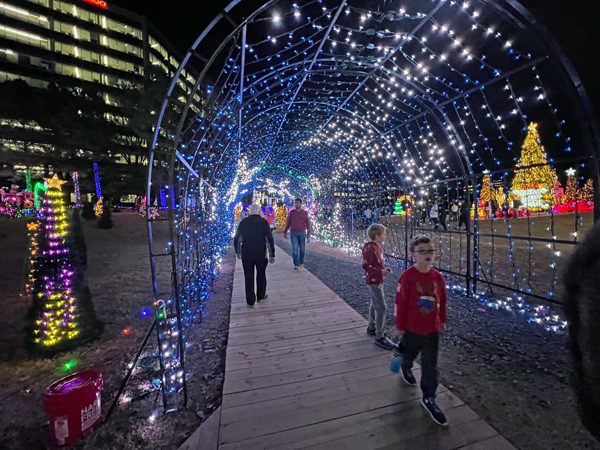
[514, 374]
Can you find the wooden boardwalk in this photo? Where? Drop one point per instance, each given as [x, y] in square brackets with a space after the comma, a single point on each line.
[301, 373]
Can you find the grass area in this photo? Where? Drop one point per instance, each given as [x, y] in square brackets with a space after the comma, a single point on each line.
[119, 278]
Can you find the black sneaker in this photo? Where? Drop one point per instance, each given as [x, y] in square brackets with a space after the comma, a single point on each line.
[434, 411]
[264, 298]
[408, 377]
[296, 267]
[249, 305]
[371, 331]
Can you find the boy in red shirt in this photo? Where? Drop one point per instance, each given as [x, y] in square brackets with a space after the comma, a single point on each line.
[420, 316]
[375, 272]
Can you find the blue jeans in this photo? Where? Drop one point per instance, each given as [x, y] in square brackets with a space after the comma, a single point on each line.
[298, 245]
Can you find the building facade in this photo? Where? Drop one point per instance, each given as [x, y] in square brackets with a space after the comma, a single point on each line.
[88, 42]
[42, 41]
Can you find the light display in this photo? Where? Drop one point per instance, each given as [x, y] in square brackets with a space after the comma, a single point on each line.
[281, 216]
[28, 183]
[486, 190]
[587, 192]
[99, 206]
[78, 202]
[97, 181]
[54, 306]
[571, 188]
[537, 181]
[350, 106]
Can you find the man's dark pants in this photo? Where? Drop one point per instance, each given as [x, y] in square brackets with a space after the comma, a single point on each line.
[414, 344]
[249, 262]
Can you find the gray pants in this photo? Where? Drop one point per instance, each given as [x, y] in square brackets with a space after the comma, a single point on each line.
[377, 309]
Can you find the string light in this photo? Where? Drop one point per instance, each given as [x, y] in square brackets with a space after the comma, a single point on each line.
[352, 108]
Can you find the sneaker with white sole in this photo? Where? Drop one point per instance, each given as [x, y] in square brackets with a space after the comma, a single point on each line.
[296, 267]
[249, 305]
[264, 298]
[434, 411]
[385, 343]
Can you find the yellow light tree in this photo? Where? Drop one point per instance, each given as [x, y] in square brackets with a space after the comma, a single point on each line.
[534, 185]
[486, 189]
[281, 215]
[587, 192]
[571, 187]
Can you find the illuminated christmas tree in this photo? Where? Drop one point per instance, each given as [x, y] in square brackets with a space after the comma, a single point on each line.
[587, 192]
[238, 210]
[571, 187]
[534, 184]
[281, 216]
[62, 314]
[486, 190]
[398, 207]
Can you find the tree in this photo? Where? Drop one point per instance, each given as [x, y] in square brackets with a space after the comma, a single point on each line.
[587, 192]
[541, 177]
[77, 239]
[106, 220]
[281, 216]
[398, 207]
[62, 314]
[571, 188]
[486, 189]
[88, 212]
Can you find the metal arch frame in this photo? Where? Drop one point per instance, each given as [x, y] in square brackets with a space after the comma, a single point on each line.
[403, 41]
[323, 40]
[509, 8]
[462, 156]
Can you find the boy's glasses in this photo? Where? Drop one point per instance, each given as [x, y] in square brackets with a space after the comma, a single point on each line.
[427, 252]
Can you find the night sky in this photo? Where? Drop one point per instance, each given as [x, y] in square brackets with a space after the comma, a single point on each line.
[574, 27]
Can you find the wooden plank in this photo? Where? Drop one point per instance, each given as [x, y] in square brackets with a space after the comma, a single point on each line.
[288, 390]
[206, 437]
[250, 383]
[306, 364]
[301, 373]
[315, 345]
[251, 333]
[319, 353]
[494, 443]
[314, 398]
[407, 415]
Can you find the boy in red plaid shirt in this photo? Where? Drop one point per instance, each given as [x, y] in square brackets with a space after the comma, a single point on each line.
[420, 316]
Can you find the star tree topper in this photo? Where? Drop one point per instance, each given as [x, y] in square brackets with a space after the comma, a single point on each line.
[55, 182]
[571, 172]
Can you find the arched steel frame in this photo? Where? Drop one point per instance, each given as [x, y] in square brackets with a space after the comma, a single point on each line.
[427, 107]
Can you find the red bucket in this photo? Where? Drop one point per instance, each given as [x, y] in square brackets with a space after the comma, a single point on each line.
[74, 405]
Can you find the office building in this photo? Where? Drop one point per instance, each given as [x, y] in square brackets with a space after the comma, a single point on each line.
[55, 41]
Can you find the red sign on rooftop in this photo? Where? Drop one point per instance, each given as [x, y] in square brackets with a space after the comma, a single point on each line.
[101, 3]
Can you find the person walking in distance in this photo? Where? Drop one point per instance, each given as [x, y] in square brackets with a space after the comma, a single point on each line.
[454, 210]
[464, 216]
[250, 243]
[299, 225]
[375, 273]
[420, 316]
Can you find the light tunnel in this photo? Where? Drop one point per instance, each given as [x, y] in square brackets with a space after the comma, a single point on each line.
[353, 104]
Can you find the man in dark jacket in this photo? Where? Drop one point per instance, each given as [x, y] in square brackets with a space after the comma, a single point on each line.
[250, 244]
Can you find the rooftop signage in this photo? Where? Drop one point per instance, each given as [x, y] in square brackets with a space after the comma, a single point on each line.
[101, 3]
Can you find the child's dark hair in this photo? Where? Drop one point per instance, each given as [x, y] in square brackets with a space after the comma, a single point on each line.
[418, 240]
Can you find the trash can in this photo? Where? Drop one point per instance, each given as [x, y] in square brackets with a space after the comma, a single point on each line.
[73, 403]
